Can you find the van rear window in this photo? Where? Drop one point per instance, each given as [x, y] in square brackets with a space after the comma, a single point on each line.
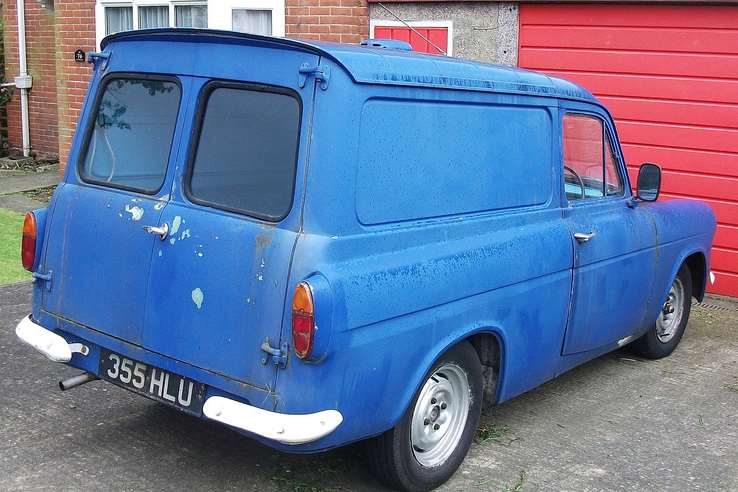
[131, 136]
[246, 152]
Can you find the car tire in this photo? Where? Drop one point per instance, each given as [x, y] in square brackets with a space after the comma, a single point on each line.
[666, 333]
[434, 435]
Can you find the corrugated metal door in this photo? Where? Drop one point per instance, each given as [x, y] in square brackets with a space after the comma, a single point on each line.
[669, 74]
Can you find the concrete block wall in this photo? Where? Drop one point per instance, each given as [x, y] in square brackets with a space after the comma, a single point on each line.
[482, 31]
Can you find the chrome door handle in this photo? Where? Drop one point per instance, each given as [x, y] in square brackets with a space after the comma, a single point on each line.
[583, 237]
[161, 230]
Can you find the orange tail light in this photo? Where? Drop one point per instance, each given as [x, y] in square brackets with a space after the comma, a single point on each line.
[28, 242]
[303, 321]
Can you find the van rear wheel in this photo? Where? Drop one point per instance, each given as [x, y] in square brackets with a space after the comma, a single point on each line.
[433, 437]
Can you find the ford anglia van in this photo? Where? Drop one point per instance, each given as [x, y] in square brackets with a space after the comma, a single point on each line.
[316, 244]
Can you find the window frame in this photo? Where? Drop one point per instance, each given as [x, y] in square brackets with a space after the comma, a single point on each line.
[101, 5]
[448, 24]
[220, 13]
[255, 9]
[607, 137]
[202, 102]
[92, 117]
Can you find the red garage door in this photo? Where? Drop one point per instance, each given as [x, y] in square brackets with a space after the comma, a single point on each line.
[669, 74]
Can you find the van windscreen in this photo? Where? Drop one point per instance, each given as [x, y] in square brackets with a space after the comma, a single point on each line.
[130, 137]
[246, 152]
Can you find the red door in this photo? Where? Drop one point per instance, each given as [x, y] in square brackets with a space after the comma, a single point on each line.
[669, 74]
[438, 37]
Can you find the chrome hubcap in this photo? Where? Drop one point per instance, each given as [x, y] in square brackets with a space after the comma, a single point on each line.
[671, 312]
[439, 416]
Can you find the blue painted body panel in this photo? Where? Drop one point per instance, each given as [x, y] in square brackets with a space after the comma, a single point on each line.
[396, 282]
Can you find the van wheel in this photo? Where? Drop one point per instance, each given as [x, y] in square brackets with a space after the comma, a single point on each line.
[431, 440]
[667, 331]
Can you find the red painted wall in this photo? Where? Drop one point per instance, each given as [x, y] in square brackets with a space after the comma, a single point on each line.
[669, 74]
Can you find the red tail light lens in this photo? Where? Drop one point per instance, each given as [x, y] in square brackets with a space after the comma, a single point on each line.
[303, 321]
[28, 243]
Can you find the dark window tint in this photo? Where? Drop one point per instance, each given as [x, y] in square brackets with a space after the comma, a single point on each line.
[132, 134]
[245, 158]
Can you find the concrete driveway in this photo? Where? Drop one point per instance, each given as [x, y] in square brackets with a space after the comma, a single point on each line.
[616, 423]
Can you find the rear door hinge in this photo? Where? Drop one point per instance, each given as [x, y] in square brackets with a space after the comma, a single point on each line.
[278, 355]
[46, 277]
[321, 73]
[102, 57]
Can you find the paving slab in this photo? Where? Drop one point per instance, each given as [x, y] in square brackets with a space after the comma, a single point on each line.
[20, 203]
[616, 423]
[27, 182]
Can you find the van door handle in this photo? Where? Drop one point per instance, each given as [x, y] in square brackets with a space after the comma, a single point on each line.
[583, 237]
[161, 230]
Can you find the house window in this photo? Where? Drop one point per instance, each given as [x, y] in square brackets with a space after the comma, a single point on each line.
[252, 21]
[265, 17]
[118, 19]
[433, 37]
[191, 16]
[114, 16]
[153, 17]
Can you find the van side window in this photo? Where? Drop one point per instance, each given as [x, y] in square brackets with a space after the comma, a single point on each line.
[445, 159]
[590, 165]
[131, 136]
[613, 183]
[246, 153]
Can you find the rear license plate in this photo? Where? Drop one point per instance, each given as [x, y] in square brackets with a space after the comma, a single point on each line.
[178, 391]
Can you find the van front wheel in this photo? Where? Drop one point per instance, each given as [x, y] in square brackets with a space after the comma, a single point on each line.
[667, 330]
[431, 440]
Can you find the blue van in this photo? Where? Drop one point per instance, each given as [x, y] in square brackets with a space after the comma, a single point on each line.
[316, 244]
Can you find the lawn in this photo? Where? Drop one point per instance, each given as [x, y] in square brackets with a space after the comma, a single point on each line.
[11, 270]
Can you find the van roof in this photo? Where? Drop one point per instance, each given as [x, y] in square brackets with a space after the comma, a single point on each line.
[386, 66]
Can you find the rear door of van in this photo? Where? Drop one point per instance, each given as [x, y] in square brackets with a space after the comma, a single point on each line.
[175, 231]
[218, 280]
[97, 253]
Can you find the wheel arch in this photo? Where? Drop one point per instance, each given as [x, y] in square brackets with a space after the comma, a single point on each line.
[697, 264]
[489, 344]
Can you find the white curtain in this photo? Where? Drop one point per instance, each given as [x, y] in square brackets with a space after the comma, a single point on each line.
[191, 16]
[118, 19]
[152, 17]
[252, 21]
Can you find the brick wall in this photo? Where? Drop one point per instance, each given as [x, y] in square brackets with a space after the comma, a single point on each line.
[40, 53]
[343, 21]
[75, 29]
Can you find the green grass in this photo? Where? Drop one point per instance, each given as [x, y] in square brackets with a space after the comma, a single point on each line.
[11, 226]
[518, 486]
[491, 433]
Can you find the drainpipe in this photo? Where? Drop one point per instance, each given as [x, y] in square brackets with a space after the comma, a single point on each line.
[23, 81]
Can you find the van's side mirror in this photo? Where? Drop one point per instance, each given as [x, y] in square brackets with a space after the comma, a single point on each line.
[649, 182]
